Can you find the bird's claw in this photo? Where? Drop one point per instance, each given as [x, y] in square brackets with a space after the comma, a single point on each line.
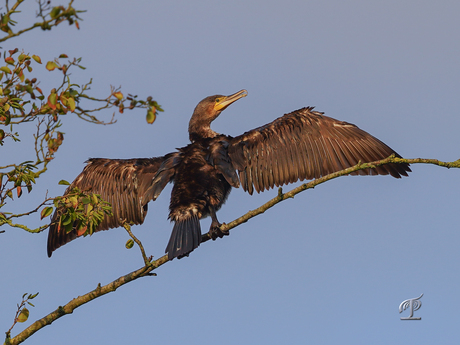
[216, 232]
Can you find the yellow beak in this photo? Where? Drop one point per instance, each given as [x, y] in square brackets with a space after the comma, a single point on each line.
[224, 102]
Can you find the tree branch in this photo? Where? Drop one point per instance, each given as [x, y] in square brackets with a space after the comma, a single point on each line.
[312, 184]
[80, 300]
[149, 267]
[69, 14]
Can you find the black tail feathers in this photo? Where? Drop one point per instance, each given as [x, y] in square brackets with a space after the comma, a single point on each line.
[185, 237]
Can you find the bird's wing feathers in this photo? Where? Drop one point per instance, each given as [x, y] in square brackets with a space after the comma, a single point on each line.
[219, 158]
[305, 144]
[125, 183]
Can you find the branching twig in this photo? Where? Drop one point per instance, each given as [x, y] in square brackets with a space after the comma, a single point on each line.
[70, 14]
[139, 243]
[22, 313]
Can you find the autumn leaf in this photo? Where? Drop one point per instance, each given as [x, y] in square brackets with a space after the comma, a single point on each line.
[71, 104]
[151, 117]
[52, 100]
[51, 65]
[118, 95]
[23, 315]
[37, 58]
[5, 69]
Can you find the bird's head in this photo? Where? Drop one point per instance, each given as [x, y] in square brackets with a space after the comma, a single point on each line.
[207, 111]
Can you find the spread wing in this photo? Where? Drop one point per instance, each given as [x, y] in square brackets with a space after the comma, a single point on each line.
[305, 144]
[127, 184]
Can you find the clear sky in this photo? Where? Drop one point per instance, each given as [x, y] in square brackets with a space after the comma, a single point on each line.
[330, 266]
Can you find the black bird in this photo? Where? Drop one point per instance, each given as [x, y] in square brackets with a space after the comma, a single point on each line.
[300, 145]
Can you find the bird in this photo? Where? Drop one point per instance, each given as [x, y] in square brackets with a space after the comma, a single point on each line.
[303, 144]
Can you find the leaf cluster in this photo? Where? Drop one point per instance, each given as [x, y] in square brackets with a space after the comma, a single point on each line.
[49, 17]
[81, 210]
[22, 100]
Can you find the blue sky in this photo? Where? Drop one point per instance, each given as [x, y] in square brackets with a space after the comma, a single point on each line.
[330, 266]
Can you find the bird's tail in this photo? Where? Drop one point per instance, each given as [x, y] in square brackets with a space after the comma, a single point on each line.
[185, 237]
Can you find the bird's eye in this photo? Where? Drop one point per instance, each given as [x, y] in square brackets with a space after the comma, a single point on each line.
[217, 100]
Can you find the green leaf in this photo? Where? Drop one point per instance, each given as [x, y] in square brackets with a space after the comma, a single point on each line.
[151, 117]
[55, 12]
[9, 60]
[66, 220]
[64, 182]
[73, 93]
[46, 212]
[33, 296]
[94, 198]
[157, 106]
[74, 201]
[5, 69]
[23, 315]
[129, 244]
[22, 57]
[52, 100]
[63, 56]
[50, 65]
[8, 118]
[89, 208]
[68, 228]
[37, 58]
[71, 104]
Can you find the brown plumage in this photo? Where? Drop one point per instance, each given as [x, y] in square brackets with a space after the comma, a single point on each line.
[122, 182]
[300, 145]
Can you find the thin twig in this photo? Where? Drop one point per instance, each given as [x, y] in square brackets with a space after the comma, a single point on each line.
[139, 243]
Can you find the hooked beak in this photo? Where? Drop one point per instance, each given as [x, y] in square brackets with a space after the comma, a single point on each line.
[224, 102]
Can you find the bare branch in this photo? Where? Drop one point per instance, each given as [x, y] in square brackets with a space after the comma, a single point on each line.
[150, 266]
[312, 184]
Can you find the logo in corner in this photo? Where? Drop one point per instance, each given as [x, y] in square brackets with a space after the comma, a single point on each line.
[412, 304]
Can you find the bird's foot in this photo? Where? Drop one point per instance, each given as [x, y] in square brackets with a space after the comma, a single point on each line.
[215, 231]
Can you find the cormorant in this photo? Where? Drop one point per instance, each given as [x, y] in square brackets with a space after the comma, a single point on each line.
[300, 145]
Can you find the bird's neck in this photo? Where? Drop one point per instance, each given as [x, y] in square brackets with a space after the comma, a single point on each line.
[200, 130]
